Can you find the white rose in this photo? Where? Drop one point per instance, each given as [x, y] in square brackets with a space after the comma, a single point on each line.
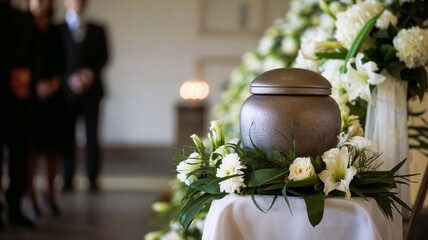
[301, 168]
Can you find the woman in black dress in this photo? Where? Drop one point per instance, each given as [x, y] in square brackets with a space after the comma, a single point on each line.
[48, 102]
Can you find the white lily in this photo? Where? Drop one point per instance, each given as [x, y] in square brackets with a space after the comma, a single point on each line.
[360, 79]
[338, 176]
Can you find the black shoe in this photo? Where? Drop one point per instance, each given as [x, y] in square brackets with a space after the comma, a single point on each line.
[54, 209]
[20, 220]
[94, 188]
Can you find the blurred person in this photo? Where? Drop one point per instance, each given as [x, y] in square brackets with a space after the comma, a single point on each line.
[48, 102]
[86, 55]
[18, 48]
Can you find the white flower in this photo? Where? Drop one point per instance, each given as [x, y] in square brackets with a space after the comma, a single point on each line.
[363, 144]
[216, 135]
[192, 163]
[360, 79]
[330, 155]
[343, 138]
[310, 41]
[231, 165]
[218, 154]
[198, 143]
[338, 176]
[171, 235]
[252, 61]
[350, 22]
[271, 62]
[412, 46]
[302, 62]
[289, 45]
[301, 168]
[266, 44]
[153, 235]
[385, 19]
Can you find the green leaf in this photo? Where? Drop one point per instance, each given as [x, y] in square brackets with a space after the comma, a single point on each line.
[262, 176]
[284, 194]
[331, 55]
[307, 182]
[193, 207]
[359, 40]
[314, 206]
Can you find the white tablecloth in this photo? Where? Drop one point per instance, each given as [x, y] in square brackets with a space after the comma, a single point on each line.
[236, 217]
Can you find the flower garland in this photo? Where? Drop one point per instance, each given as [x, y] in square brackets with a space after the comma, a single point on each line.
[348, 170]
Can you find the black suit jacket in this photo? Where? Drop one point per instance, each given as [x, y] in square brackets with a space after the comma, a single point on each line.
[18, 46]
[90, 53]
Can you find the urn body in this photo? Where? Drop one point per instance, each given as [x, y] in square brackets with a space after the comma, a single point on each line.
[290, 103]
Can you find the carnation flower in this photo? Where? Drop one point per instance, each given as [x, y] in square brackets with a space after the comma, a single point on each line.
[350, 22]
[412, 46]
[231, 165]
[192, 163]
[386, 19]
[363, 144]
[360, 79]
[301, 168]
[338, 176]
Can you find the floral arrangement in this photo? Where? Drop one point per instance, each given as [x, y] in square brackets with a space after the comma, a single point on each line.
[349, 170]
[353, 44]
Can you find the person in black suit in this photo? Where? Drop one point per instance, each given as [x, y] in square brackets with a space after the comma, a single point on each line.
[86, 55]
[18, 48]
[48, 106]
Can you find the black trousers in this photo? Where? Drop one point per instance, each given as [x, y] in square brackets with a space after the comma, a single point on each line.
[14, 137]
[89, 113]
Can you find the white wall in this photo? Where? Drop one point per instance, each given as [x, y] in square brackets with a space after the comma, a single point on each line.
[155, 47]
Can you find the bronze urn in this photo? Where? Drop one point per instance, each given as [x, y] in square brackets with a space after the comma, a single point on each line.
[290, 101]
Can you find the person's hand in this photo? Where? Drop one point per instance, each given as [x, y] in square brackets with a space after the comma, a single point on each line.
[44, 89]
[20, 82]
[81, 80]
[75, 83]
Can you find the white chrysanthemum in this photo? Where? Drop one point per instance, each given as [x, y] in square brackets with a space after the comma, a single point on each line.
[302, 62]
[360, 79]
[271, 62]
[412, 46]
[326, 22]
[266, 44]
[231, 165]
[350, 22]
[385, 19]
[289, 45]
[310, 42]
[331, 71]
[192, 163]
[252, 61]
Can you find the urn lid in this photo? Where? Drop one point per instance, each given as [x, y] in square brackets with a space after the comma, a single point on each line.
[290, 81]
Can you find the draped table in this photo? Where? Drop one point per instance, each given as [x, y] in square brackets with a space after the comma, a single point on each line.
[236, 217]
